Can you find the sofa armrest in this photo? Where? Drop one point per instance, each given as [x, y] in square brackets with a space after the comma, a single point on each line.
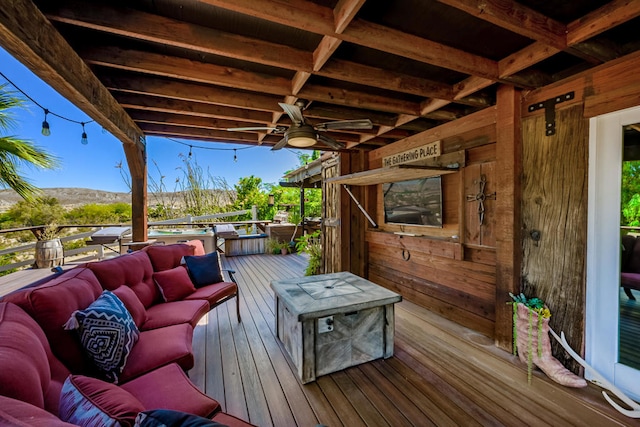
[231, 273]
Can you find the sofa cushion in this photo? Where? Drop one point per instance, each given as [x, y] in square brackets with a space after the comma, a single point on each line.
[169, 388]
[133, 270]
[169, 418]
[198, 246]
[159, 347]
[174, 284]
[28, 370]
[17, 413]
[166, 257]
[51, 306]
[175, 313]
[230, 420]
[215, 293]
[133, 304]
[204, 269]
[89, 402]
[107, 333]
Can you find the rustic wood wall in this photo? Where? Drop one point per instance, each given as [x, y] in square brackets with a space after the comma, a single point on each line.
[554, 204]
[331, 235]
[450, 270]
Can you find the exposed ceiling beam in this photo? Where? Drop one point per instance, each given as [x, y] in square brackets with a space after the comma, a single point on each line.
[154, 28]
[189, 91]
[152, 103]
[515, 17]
[184, 69]
[611, 14]
[317, 19]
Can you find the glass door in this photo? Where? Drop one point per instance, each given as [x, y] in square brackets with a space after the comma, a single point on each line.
[613, 316]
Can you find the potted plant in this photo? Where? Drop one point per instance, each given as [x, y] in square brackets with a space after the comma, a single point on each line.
[531, 340]
[310, 244]
[49, 250]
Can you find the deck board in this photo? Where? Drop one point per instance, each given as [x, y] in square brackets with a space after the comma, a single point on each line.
[441, 374]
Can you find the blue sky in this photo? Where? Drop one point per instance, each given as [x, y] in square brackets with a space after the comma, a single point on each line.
[94, 165]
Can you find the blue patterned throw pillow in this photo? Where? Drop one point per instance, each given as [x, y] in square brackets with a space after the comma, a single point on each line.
[107, 333]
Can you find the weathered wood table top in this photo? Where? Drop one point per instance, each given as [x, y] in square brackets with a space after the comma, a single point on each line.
[312, 297]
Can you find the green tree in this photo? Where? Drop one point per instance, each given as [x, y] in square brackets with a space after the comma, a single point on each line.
[630, 194]
[93, 213]
[249, 192]
[41, 211]
[15, 152]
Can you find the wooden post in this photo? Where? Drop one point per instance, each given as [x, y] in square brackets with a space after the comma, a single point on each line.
[508, 200]
[137, 161]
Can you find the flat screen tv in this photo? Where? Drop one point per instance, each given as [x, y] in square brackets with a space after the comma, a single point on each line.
[414, 202]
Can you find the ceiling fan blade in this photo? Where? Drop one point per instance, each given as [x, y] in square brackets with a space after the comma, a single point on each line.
[330, 142]
[346, 124]
[250, 128]
[280, 144]
[276, 129]
[294, 112]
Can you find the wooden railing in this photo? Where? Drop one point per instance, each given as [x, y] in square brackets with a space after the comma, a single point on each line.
[97, 251]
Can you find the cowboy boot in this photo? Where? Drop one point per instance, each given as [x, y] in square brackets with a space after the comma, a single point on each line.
[541, 352]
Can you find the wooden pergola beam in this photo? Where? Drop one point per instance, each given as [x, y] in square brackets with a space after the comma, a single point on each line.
[28, 36]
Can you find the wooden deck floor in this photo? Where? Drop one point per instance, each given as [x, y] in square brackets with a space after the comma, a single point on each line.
[441, 374]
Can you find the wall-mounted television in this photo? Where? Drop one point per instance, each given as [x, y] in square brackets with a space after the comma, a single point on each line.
[414, 202]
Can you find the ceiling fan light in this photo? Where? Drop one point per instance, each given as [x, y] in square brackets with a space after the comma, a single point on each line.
[301, 141]
[302, 136]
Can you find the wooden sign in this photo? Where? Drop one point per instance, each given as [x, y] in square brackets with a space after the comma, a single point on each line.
[427, 151]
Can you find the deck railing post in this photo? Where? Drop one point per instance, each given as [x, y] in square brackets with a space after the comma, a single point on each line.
[254, 217]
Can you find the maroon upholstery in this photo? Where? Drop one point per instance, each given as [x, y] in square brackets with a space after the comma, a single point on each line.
[134, 270]
[214, 293]
[21, 414]
[169, 256]
[230, 420]
[28, 369]
[174, 284]
[630, 280]
[133, 304]
[198, 247]
[159, 347]
[169, 388]
[633, 265]
[175, 313]
[51, 306]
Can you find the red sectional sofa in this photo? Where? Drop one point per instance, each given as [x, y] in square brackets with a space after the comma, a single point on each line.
[37, 355]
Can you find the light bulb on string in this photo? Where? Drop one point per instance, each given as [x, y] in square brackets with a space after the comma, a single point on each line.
[46, 131]
[235, 156]
[83, 139]
[190, 153]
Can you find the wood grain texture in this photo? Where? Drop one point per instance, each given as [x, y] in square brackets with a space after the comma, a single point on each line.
[555, 203]
[441, 374]
[331, 236]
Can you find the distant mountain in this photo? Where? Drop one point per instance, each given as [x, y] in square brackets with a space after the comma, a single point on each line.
[68, 197]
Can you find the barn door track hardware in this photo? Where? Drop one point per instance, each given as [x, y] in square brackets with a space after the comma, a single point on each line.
[550, 111]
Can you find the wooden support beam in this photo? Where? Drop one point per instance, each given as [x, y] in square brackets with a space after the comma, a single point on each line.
[28, 36]
[507, 214]
[154, 28]
[610, 15]
[184, 69]
[515, 17]
[189, 91]
[344, 12]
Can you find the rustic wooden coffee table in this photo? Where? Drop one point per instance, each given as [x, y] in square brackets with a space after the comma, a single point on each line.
[333, 321]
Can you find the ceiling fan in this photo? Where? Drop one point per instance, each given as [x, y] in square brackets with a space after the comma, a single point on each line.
[300, 134]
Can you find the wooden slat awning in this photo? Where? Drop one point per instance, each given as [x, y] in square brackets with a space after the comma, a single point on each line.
[392, 174]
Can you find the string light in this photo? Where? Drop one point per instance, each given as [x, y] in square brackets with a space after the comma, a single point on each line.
[235, 156]
[46, 129]
[83, 139]
[190, 153]
[45, 124]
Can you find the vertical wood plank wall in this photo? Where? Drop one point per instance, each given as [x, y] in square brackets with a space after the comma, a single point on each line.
[331, 236]
[439, 269]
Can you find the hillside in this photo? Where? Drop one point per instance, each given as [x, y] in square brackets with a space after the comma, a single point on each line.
[68, 197]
